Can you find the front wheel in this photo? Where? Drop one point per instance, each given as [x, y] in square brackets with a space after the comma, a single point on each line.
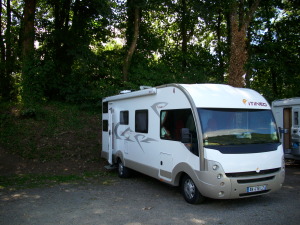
[190, 191]
[123, 171]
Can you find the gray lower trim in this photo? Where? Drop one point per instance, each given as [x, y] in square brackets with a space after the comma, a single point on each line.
[165, 174]
[145, 169]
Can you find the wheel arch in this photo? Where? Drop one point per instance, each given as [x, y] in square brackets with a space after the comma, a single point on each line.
[182, 169]
[118, 156]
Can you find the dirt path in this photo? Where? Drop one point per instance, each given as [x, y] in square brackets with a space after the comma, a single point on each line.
[142, 200]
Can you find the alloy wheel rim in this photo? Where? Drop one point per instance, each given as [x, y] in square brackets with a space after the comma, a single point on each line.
[189, 188]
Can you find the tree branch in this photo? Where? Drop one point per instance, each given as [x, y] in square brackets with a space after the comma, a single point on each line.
[251, 12]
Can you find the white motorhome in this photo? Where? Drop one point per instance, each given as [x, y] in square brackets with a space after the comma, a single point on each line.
[213, 140]
[287, 112]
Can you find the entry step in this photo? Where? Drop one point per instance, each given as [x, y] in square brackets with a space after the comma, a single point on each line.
[110, 167]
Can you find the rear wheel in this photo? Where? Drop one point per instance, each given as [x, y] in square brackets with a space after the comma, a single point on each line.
[123, 171]
[190, 191]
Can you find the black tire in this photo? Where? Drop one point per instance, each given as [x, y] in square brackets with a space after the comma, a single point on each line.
[123, 171]
[190, 191]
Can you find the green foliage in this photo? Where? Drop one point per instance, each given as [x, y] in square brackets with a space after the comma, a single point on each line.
[80, 48]
[275, 60]
[22, 181]
[31, 83]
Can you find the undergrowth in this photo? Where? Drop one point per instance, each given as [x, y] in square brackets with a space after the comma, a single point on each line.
[52, 131]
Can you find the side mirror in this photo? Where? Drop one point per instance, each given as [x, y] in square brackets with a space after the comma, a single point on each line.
[186, 136]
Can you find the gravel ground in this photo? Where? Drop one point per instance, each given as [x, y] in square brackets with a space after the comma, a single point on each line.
[143, 200]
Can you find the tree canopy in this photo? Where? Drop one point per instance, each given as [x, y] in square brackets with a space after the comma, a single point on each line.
[83, 50]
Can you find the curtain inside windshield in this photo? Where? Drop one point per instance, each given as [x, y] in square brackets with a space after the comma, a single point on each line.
[235, 127]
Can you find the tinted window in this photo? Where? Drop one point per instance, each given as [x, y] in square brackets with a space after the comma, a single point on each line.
[124, 117]
[105, 107]
[105, 125]
[172, 122]
[141, 121]
[296, 118]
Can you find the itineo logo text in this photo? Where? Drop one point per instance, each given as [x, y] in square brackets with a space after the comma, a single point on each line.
[245, 101]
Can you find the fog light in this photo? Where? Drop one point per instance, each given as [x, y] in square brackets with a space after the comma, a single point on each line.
[219, 176]
[215, 167]
[221, 193]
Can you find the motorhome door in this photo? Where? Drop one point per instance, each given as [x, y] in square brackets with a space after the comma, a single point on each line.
[110, 132]
[287, 124]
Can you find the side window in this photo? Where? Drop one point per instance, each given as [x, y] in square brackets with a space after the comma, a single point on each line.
[172, 122]
[105, 125]
[141, 121]
[179, 125]
[105, 107]
[124, 117]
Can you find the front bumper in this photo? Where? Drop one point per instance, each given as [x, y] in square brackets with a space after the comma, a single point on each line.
[219, 185]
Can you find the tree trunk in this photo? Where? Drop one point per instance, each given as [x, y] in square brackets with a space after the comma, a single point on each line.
[29, 90]
[2, 47]
[29, 33]
[238, 53]
[184, 35]
[133, 44]
[239, 22]
[249, 54]
[219, 49]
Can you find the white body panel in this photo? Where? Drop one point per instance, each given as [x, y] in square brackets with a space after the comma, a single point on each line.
[224, 96]
[166, 159]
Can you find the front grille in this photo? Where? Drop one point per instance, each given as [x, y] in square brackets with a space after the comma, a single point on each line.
[255, 180]
[252, 173]
[254, 193]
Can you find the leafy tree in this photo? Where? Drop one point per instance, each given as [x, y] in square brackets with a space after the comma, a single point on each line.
[69, 64]
[276, 50]
[73, 50]
[6, 59]
[10, 47]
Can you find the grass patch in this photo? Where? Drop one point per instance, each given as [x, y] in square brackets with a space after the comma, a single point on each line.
[25, 181]
[31, 181]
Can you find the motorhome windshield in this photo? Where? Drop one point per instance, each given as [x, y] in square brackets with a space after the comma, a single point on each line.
[223, 127]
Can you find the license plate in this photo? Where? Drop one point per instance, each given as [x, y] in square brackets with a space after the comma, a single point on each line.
[256, 188]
